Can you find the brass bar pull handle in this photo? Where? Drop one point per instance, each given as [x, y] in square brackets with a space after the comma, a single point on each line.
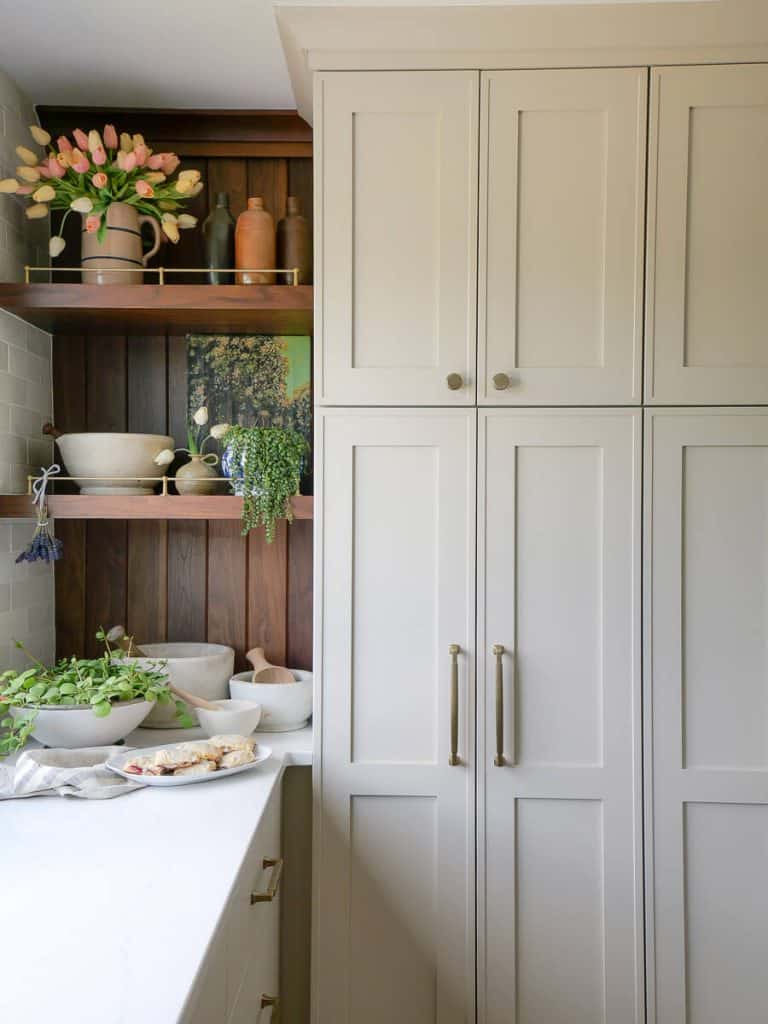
[498, 651]
[453, 756]
[274, 1002]
[268, 894]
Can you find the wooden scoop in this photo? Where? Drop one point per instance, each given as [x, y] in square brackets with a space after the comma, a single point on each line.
[190, 698]
[264, 671]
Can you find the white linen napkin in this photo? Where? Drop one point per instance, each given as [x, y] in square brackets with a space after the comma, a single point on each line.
[40, 772]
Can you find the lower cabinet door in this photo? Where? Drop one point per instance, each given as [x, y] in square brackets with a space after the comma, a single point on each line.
[707, 715]
[394, 842]
[559, 781]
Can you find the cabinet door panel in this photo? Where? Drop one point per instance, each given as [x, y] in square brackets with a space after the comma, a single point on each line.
[708, 224]
[562, 193]
[560, 886]
[707, 714]
[395, 836]
[397, 204]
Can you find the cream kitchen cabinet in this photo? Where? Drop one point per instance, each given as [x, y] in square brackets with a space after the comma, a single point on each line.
[707, 713]
[707, 340]
[396, 218]
[394, 840]
[562, 217]
[559, 801]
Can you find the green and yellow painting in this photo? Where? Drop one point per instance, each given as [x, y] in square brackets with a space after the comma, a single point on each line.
[252, 379]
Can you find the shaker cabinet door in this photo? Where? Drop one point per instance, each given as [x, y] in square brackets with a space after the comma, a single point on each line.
[396, 179]
[559, 769]
[707, 333]
[562, 209]
[394, 840]
[707, 714]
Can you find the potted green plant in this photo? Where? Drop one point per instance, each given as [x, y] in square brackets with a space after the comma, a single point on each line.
[79, 701]
[264, 464]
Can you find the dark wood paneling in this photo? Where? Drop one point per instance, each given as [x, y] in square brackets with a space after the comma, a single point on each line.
[227, 586]
[269, 179]
[300, 594]
[147, 580]
[268, 593]
[230, 176]
[187, 581]
[70, 589]
[106, 577]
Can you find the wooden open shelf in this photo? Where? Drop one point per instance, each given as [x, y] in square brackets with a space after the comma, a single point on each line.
[152, 309]
[108, 506]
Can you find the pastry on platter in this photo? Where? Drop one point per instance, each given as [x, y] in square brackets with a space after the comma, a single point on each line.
[235, 758]
[200, 750]
[233, 742]
[201, 768]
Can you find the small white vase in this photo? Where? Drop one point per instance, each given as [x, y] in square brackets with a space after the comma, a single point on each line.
[198, 476]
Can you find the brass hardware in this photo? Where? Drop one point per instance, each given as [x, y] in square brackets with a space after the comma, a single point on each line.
[454, 381]
[274, 882]
[498, 651]
[162, 271]
[163, 480]
[453, 756]
[501, 381]
[274, 1002]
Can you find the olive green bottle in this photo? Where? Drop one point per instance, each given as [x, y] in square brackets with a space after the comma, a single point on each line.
[219, 234]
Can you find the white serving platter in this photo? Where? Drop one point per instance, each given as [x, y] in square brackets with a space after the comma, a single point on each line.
[115, 764]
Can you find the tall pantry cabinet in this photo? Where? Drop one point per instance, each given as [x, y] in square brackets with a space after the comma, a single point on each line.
[481, 847]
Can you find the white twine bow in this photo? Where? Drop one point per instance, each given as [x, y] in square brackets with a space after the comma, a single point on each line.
[40, 483]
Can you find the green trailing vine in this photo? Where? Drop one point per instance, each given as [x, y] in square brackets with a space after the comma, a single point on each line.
[271, 459]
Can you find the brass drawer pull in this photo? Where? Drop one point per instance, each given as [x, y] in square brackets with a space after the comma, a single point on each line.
[501, 381]
[498, 651]
[453, 756]
[274, 1002]
[454, 381]
[274, 883]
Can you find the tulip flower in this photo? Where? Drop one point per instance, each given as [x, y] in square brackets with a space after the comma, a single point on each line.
[201, 416]
[8, 185]
[26, 155]
[64, 158]
[29, 174]
[165, 457]
[92, 223]
[190, 175]
[110, 136]
[64, 145]
[25, 190]
[41, 137]
[170, 230]
[126, 161]
[140, 152]
[219, 430]
[37, 211]
[138, 140]
[196, 190]
[44, 194]
[155, 162]
[94, 141]
[183, 186]
[186, 221]
[144, 189]
[43, 170]
[80, 138]
[55, 168]
[80, 162]
[99, 156]
[167, 204]
[126, 142]
[99, 180]
[170, 162]
[155, 177]
[56, 246]
[81, 205]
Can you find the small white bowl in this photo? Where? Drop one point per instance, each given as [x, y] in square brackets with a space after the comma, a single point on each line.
[75, 725]
[285, 706]
[239, 717]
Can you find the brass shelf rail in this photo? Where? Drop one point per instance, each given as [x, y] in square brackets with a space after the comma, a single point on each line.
[162, 272]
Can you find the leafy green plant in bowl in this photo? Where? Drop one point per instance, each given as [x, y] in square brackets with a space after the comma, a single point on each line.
[97, 685]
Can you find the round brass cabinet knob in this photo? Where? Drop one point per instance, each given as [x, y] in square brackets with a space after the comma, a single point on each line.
[454, 381]
[501, 381]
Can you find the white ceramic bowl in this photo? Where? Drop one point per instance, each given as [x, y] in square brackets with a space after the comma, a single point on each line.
[238, 717]
[128, 456]
[202, 669]
[75, 725]
[284, 706]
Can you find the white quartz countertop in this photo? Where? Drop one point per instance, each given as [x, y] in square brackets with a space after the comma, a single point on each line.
[107, 906]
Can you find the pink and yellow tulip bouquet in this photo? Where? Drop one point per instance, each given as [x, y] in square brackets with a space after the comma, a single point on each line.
[95, 170]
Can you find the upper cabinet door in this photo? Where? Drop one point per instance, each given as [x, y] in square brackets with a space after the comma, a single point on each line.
[562, 208]
[396, 260]
[708, 236]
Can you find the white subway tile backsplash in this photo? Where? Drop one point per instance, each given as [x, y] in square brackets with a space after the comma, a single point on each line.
[26, 423]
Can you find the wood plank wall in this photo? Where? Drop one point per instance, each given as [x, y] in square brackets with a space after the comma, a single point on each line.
[177, 580]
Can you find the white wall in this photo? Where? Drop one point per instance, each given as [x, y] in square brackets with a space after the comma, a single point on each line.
[26, 402]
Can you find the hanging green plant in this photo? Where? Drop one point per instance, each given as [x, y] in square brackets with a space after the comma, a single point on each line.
[265, 465]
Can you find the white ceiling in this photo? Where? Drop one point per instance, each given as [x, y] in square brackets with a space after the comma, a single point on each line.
[165, 53]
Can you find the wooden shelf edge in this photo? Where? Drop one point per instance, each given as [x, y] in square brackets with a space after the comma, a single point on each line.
[155, 506]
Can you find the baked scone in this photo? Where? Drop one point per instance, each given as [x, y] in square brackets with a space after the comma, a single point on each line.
[235, 758]
[200, 750]
[233, 742]
[201, 768]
